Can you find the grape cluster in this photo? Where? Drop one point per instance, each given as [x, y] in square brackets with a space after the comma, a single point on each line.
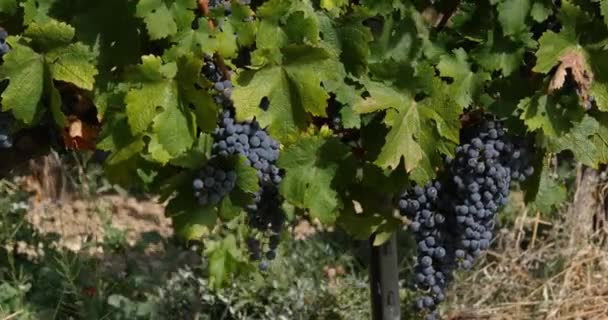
[223, 86]
[249, 140]
[4, 48]
[480, 185]
[433, 267]
[335, 118]
[6, 119]
[226, 4]
[261, 151]
[453, 218]
[6, 141]
[213, 183]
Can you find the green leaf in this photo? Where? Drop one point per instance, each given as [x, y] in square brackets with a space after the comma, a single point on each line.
[401, 140]
[418, 130]
[50, 34]
[36, 10]
[540, 11]
[75, 64]
[158, 18]
[188, 78]
[174, 130]
[552, 47]
[545, 113]
[499, 53]
[247, 178]
[382, 237]
[579, 140]
[197, 155]
[467, 84]
[604, 10]
[364, 215]
[293, 21]
[8, 6]
[224, 260]
[293, 89]
[157, 90]
[55, 102]
[311, 165]
[191, 221]
[331, 5]
[512, 15]
[381, 97]
[350, 39]
[550, 192]
[403, 38]
[24, 69]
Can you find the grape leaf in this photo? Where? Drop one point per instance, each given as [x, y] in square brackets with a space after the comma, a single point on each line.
[245, 27]
[401, 39]
[174, 130]
[499, 53]
[205, 39]
[8, 6]
[332, 5]
[546, 113]
[50, 34]
[512, 15]
[381, 97]
[363, 216]
[350, 39]
[24, 69]
[107, 27]
[550, 192]
[540, 11]
[159, 18]
[224, 260]
[292, 87]
[36, 10]
[156, 90]
[467, 84]
[195, 157]
[579, 140]
[604, 10]
[247, 178]
[418, 130]
[311, 165]
[190, 220]
[296, 21]
[552, 46]
[401, 140]
[74, 63]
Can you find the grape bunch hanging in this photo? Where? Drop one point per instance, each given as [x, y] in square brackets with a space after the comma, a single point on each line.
[260, 150]
[453, 217]
[6, 119]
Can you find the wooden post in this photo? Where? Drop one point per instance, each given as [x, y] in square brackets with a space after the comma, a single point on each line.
[384, 280]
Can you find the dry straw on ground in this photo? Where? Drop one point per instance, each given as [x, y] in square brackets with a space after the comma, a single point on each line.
[552, 278]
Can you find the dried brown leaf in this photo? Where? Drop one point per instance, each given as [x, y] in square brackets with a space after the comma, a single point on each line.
[574, 63]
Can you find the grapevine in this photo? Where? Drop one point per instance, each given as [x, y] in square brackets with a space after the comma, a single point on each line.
[245, 115]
